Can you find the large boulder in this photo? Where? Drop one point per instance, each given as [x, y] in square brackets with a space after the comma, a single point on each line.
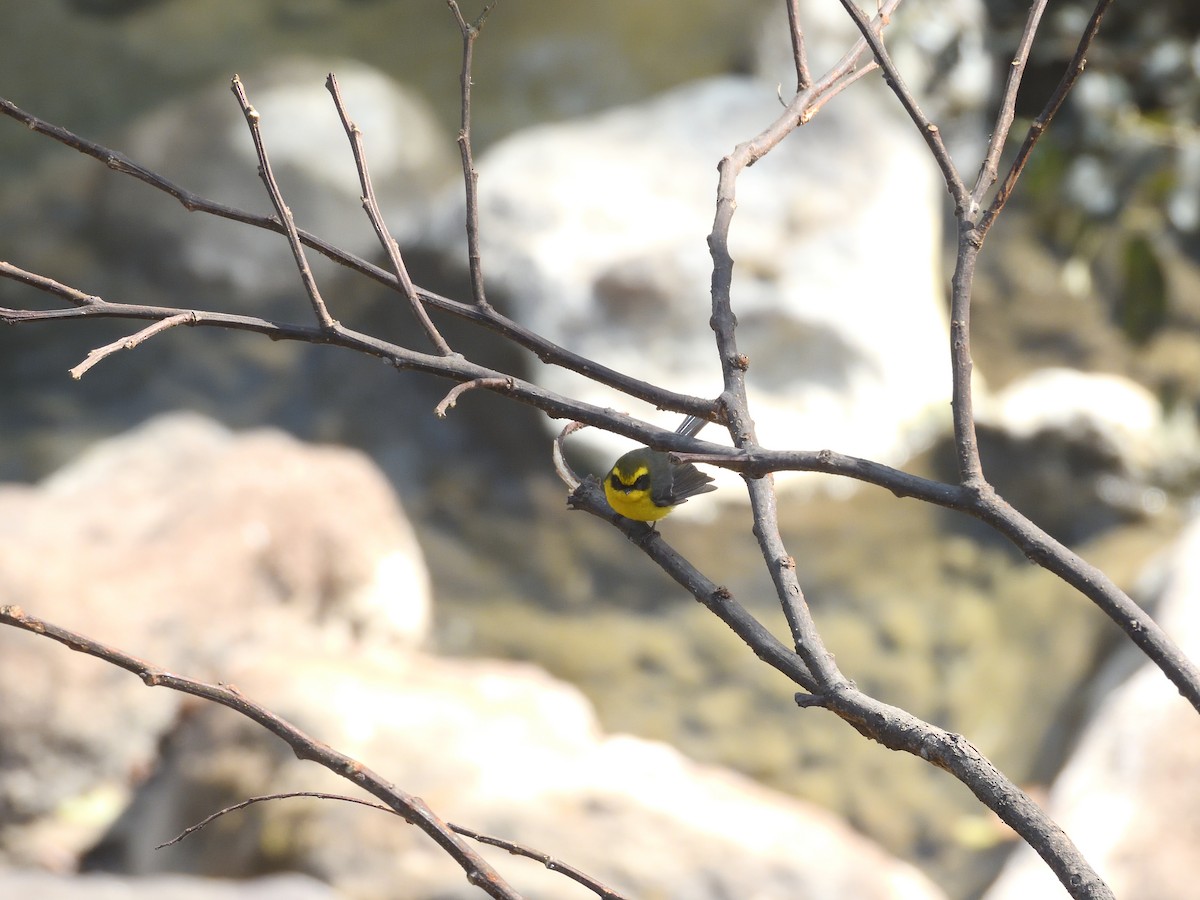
[596, 229]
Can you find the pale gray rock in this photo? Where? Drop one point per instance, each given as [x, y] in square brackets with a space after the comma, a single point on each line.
[1113, 412]
[596, 228]
[1130, 794]
[202, 142]
[188, 546]
[1115, 442]
[500, 748]
[256, 561]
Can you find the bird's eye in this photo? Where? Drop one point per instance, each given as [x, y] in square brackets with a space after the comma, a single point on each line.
[643, 482]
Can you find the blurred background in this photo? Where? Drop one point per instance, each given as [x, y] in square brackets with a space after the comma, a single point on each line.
[1086, 330]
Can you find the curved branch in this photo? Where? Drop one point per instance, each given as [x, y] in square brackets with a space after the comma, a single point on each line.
[412, 809]
[898, 730]
[595, 885]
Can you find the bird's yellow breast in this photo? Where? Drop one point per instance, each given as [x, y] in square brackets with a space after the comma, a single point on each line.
[628, 492]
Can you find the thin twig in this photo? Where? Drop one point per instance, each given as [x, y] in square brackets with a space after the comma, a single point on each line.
[929, 131]
[286, 795]
[1074, 69]
[371, 205]
[1008, 107]
[451, 399]
[285, 214]
[453, 367]
[564, 471]
[834, 88]
[49, 285]
[554, 865]
[412, 809]
[470, 31]
[595, 885]
[94, 356]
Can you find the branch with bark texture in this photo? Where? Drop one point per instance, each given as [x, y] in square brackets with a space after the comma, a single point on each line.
[807, 662]
[412, 809]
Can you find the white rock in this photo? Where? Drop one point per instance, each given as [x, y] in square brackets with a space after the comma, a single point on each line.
[1118, 414]
[1130, 795]
[597, 229]
[202, 143]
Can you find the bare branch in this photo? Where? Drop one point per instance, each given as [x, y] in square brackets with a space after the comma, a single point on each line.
[371, 205]
[286, 795]
[589, 496]
[799, 51]
[988, 507]
[554, 865]
[564, 471]
[449, 401]
[834, 88]
[929, 131]
[452, 367]
[470, 177]
[1008, 107]
[281, 208]
[898, 730]
[595, 885]
[547, 351]
[1042, 122]
[48, 285]
[412, 809]
[94, 356]
[892, 727]
[782, 568]
[799, 111]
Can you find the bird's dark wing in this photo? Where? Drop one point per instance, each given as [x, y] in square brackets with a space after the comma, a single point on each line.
[688, 481]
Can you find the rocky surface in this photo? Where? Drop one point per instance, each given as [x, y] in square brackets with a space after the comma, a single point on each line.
[291, 572]
[1128, 796]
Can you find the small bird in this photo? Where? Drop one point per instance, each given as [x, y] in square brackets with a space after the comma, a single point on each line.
[645, 485]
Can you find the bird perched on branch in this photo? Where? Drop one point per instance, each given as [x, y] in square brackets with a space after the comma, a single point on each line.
[645, 485]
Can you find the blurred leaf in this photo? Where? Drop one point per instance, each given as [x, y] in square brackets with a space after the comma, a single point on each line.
[1141, 302]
